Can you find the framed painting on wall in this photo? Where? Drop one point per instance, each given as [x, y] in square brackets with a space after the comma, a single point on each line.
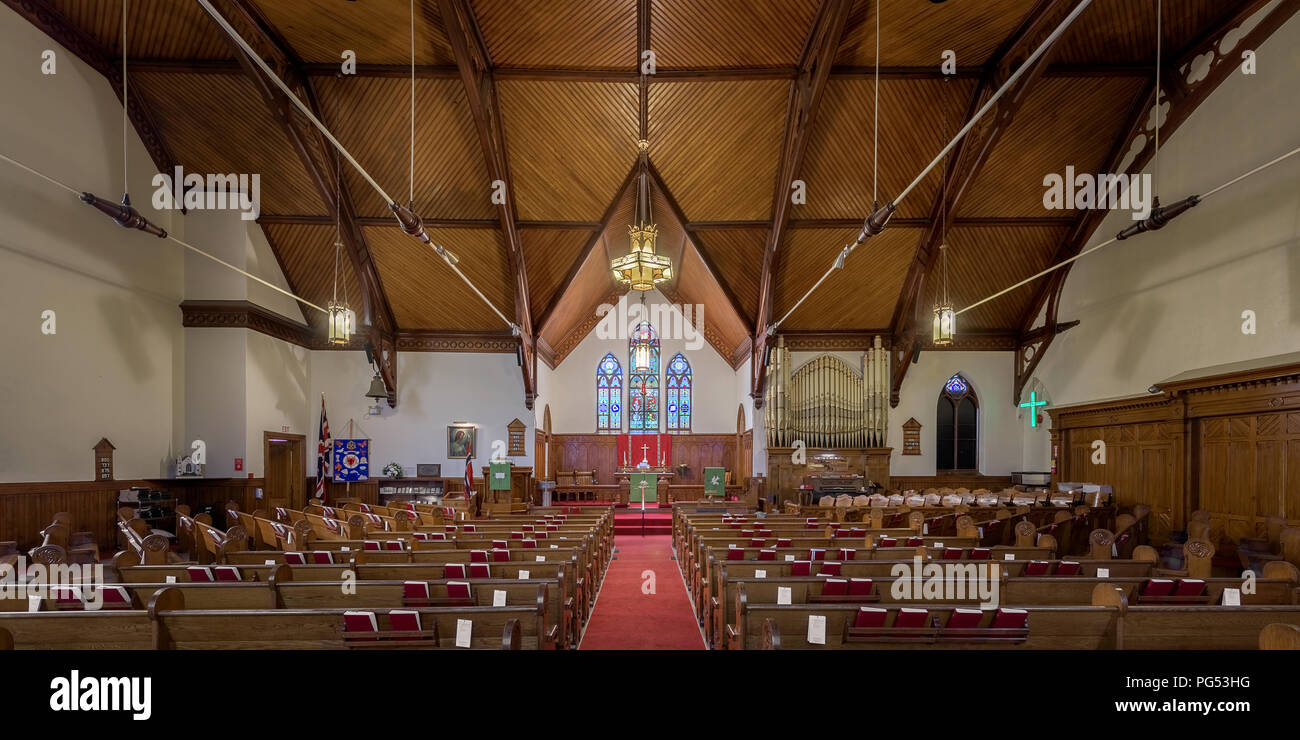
[462, 441]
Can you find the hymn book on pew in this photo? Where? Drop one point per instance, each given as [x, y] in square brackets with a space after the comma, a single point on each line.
[816, 629]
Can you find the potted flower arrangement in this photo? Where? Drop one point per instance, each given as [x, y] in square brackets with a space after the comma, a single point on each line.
[393, 470]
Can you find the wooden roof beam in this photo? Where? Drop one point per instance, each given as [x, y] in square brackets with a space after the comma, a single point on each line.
[475, 65]
[806, 92]
[965, 163]
[315, 151]
[568, 74]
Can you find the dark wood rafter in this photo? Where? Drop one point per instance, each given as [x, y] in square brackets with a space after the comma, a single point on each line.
[475, 66]
[643, 81]
[964, 165]
[437, 223]
[563, 74]
[970, 222]
[1184, 97]
[89, 50]
[314, 150]
[806, 93]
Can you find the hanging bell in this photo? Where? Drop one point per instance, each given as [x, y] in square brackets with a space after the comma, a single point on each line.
[377, 389]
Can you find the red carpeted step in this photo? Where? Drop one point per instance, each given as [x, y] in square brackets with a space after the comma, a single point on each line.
[626, 617]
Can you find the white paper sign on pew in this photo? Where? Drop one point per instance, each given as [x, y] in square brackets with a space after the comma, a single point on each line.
[783, 594]
[464, 629]
[1103, 572]
[816, 629]
[523, 575]
[760, 574]
[498, 598]
[1232, 597]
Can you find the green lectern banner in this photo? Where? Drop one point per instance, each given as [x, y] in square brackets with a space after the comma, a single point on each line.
[714, 479]
[499, 476]
[650, 488]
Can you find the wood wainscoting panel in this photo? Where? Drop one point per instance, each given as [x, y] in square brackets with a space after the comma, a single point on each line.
[1227, 443]
[599, 452]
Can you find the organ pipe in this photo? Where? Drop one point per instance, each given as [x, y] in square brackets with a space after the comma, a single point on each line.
[827, 403]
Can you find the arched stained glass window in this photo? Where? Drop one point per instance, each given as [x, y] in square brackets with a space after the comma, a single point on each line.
[643, 381]
[677, 394]
[956, 426]
[609, 394]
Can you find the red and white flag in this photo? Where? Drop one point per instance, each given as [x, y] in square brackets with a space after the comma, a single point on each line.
[322, 452]
[469, 477]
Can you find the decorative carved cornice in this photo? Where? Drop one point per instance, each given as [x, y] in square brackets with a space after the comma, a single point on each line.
[580, 332]
[248, 315]
[829, 341]
[742, 352]
[456, 341]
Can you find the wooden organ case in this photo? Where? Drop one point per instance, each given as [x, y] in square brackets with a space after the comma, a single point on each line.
[826, 410]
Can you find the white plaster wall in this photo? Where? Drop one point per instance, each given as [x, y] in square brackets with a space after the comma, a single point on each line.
[215, 392]
[277, 396]
[110, 370]
[434, 390]
[990, 375]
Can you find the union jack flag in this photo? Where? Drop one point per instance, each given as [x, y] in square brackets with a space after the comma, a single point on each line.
[322, 452]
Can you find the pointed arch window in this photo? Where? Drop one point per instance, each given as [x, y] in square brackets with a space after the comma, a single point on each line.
[677, 394]
[609, 394]
[643, 381]
[956, 426]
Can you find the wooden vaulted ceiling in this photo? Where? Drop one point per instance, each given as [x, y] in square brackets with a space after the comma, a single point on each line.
[719, 112]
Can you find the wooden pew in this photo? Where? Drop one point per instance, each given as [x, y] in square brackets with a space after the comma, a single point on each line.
[783, 627]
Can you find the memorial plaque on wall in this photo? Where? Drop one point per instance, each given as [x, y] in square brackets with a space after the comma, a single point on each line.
[911, 437]
[104, 459]
[515, 434]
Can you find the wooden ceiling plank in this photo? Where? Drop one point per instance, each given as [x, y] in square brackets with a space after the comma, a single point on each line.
[805, 97]
[313, 149]
[565, 74]
[543, 321]
[656, 181]
[967, 160]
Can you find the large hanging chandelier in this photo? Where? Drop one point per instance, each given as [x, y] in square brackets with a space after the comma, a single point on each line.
[641, 268]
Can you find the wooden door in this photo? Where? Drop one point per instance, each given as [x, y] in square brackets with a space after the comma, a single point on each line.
[285, 463]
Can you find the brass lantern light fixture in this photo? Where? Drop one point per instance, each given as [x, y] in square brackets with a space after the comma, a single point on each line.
[642, 269]
[342, 320]
[945, 321]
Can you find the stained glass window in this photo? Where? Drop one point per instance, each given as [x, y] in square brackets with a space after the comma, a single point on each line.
[677, 394]
[956, 426]
[956, 385]
[609, 395]
[643, 383]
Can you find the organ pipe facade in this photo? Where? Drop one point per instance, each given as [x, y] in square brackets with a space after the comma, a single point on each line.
[826, 402]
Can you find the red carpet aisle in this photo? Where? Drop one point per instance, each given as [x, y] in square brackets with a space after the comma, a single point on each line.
[625, 618]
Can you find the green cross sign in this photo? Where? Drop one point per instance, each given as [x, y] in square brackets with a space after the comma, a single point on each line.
[1031, 403]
